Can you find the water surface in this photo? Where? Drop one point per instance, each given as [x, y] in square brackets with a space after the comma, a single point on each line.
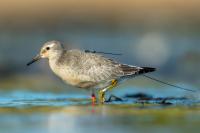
[28, 111]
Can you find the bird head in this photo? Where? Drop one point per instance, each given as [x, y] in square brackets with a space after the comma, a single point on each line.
[48, 50]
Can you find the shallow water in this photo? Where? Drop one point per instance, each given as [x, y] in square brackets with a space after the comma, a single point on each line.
[28, 111]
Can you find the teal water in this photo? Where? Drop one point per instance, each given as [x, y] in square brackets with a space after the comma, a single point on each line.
[26, 111]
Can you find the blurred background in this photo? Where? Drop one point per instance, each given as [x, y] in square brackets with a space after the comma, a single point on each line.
[155, 33]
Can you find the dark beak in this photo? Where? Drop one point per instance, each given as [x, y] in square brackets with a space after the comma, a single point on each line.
[34, 60]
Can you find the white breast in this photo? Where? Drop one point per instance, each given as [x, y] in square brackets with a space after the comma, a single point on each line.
[67, 73]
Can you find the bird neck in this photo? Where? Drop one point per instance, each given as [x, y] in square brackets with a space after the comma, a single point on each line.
[55, 55]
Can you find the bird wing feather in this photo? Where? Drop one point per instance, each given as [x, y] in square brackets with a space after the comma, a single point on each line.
[97, 68]
[101, 68]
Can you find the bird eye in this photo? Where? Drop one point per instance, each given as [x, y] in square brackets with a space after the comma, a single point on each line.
[47, 48]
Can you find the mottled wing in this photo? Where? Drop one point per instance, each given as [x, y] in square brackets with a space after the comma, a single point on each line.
[100, 68]
[90, 67]
[103, 69]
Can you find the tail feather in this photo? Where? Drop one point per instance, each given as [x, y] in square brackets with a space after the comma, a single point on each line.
[133, 70]
[146, 70]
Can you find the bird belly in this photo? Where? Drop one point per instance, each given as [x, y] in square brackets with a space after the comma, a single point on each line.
[76, 81]
[72, 77]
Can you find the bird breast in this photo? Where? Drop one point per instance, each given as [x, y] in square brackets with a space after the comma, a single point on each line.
[68, 74]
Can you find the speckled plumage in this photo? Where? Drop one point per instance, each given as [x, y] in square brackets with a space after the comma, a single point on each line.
[86, 70]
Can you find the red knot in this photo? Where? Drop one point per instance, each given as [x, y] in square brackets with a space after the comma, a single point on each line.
[87, 70]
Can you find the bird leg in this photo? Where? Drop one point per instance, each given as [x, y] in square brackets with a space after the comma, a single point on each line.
[93, 97]
[102, 96]
[102, 91]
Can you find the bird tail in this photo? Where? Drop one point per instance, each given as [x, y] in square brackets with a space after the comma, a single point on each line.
[129, 70]
[146, 70]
